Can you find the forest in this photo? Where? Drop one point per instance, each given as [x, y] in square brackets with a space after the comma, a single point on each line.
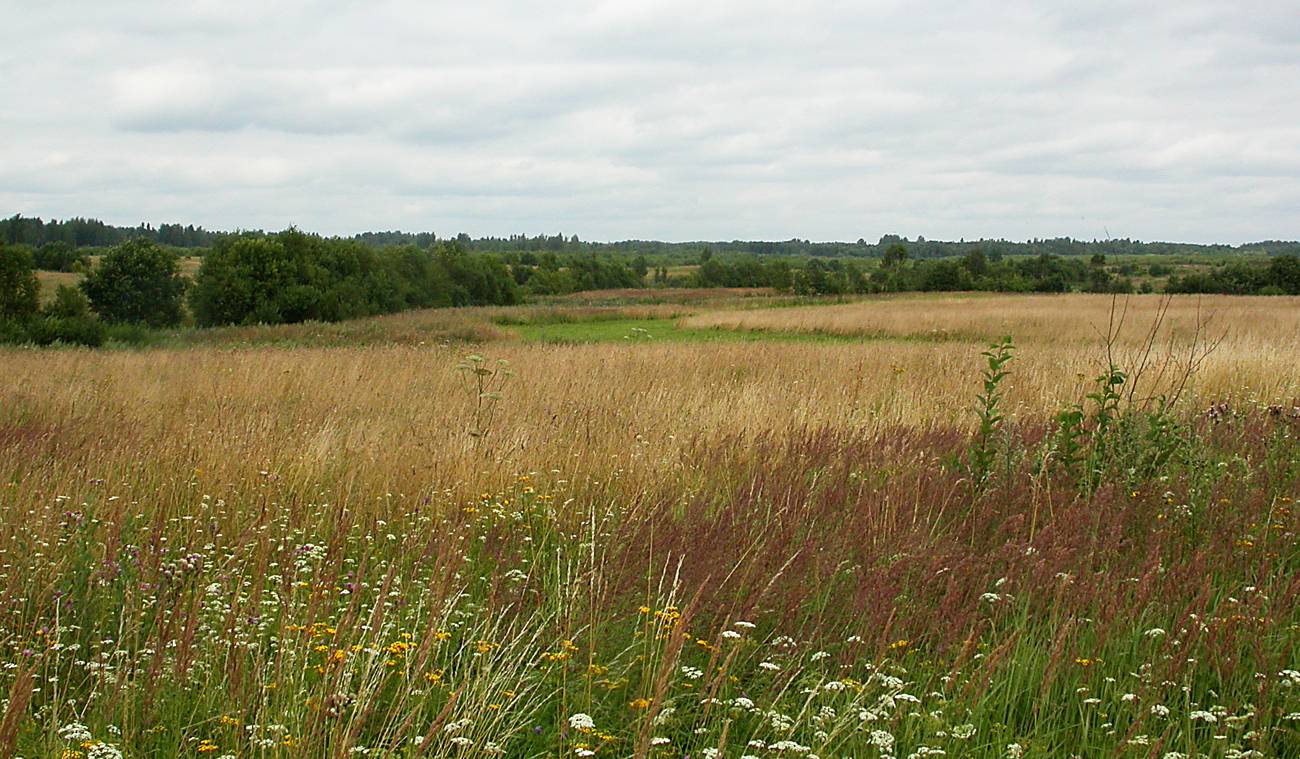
[85, 282]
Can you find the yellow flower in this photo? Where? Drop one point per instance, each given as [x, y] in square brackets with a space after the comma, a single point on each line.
[206, 746]
[640, 703]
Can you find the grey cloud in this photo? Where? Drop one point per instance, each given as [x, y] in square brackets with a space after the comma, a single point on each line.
[661, 118]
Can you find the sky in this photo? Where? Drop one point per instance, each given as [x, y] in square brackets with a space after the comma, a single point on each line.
[1155, 120]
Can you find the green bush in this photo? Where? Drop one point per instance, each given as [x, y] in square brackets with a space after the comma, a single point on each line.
[49, 330]
[68, 303]
[19, 289]
[58, 256]
[137, 282]
[296, 277]
[70, 330]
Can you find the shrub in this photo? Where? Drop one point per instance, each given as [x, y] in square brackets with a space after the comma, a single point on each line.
[296, 277]
[68, 303]
[58, 256]
[19, 290]
[71, 330]
[137, 282]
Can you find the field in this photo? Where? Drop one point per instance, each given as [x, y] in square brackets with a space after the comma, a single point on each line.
[709, 524]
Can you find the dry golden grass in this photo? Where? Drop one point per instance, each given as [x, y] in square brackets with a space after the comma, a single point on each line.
[1252, 323]
[382, 418]
[175, 511]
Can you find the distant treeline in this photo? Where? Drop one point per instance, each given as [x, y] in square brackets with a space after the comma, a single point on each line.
[897, 273]
[79, 232]
[93, 233]
[975, 270]
[920, 248]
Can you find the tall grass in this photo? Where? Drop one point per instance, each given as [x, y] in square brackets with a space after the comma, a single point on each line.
[669, 550]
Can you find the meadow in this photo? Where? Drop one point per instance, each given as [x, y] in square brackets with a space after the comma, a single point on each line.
[709, 524]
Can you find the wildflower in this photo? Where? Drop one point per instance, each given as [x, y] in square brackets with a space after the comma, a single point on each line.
[74, 732]
[1203, 716]
[769, 666]
[660, 741]
[1015, 751]
[731, 635]
[1160, 710]
[206, 746]
[900, 645]
[640, 703]
[744, 624]
[882, 740]
[582, 722]
[963, 732]
[103, 751]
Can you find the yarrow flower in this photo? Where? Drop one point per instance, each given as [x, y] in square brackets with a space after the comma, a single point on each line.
[581, 721]
[75, 732]
[882, 740]
[103, 751]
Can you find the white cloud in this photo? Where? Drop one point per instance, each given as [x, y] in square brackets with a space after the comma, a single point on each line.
[664, 119]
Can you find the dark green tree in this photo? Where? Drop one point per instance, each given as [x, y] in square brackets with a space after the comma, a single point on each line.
[137, 282]
[895, 255]
[19, 289]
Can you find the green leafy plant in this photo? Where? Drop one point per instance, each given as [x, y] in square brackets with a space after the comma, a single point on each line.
[483, 380]
[989, 443]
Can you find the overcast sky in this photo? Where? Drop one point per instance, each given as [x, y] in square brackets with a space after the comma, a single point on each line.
[1170, 120]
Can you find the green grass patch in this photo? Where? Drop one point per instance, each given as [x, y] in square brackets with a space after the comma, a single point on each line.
[651, 330]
